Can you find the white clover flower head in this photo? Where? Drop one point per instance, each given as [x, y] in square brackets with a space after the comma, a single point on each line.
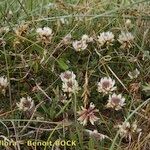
[63, 98]
[134, 74]
[46, 31]
[67, 76]
[64, 20]
[126, 39]
[79, 45]
[70, 86]
[51, 5]
[123, 129]
[2, 42]
[96, 134]
[25, 104]
[3, 84]
[116, 101]
[4, 30]
[39, 31]
[67, 39]
[106, 38]
[145, 55]
[106, 85]
[10, 12]
[44, 35]
[135, 127]
[87, 114]
[86, 38]
[126, 129]
[128, 23]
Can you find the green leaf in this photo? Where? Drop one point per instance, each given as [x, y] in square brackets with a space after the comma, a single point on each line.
[62, 64]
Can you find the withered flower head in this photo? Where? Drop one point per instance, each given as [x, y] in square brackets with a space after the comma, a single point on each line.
[25, 104]
[127, 130]
[134, 74]
[3, 84]
[96, 134]
[87, 114]
[22, 29]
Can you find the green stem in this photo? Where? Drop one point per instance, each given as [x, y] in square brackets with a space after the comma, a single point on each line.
[9, 86]
[75, 107]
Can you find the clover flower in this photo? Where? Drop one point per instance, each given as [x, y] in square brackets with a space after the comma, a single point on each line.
[106, 85]
[25, 104]
[126, 130]
[4, 30]
[22, 29]
[128, 23]
[87, 114]
[2, 42]
[67, 39]
[3, 84]
[106, 38]
[67, 76]
[146, 54]
[86, 38]
[70, 84]
[63, 98]
[79, 45]
[126, 39]
[83, 43]
[44, 35]
[115, 101]
[64, 21]
[134, 74]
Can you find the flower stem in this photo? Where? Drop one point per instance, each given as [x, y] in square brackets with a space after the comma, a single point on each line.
[75, 107]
